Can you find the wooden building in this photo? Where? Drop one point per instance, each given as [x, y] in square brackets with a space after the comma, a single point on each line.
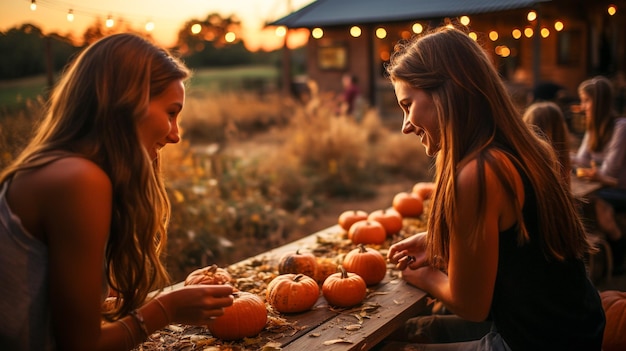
[565, 42]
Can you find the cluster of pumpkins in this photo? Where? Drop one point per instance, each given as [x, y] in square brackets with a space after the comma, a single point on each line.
[297, 287]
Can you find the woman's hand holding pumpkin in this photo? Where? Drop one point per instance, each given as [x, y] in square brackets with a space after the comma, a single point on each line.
[197, 304]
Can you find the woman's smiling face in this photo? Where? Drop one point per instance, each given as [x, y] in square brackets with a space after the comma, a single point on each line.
[160, 125]
[420, 115]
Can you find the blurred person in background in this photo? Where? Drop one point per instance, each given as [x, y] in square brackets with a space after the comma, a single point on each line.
[601, 157]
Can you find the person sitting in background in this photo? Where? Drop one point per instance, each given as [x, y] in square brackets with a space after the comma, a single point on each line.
[84, 212]
[601, 157]
[349, 95]
[505, 242]
[547, 119]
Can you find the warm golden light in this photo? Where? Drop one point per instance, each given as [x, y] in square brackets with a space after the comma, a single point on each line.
[558, 26]
[317, 33]
[33, 5]
[493, 35]
[280, 31]
[528, 32]
[505, 51]
[516, 33]
[384, 55]
[473, 35]
[612, 10]
[464, 20]
[109, 22]
[149, 26]
[230, 37]
[545, 32]
[405, 34]
[355, 31]
[70, 15]
[417, 28]
[196, 28]
[532, 15]
[381, 33]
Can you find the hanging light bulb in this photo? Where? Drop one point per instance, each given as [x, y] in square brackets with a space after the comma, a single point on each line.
[516, 33]
[355, 31]
[280, 31]
[381, 33]
[70, 15]
[417, 28]
[532, 15]
[33, 5]
[612, 10]
[558, 25]
[465, 20]
[149, 26]
[109, 22]
[317, 33]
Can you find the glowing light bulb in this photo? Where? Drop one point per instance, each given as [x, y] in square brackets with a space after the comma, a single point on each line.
[230, 37]
[532, 15]
[196, 28]
[558, 25]
[464, 20]
[355, 31]
[280, 31]
[70, 15]
[150, 26]
[33, 5]
[417, 28]
[381, 33]
[516, 33]
[612, 10]
[109, 22]
[317, 33]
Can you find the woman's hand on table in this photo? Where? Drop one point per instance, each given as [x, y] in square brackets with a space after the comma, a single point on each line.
[197, 304]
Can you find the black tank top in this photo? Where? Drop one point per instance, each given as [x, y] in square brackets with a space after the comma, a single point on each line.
[542, 304]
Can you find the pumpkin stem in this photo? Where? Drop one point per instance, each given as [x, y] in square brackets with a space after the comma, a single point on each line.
[298, 277]
[362, 248]
[344, 273]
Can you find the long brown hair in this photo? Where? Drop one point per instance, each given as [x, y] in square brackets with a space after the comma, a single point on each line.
[547, 119]
[476, 115]
[600, 126]
[93, 112]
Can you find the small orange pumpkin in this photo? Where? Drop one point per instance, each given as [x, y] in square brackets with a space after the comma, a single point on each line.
[367, 232]
[344, 289]
[292, 293]
[423, 189]
[212, 275]
[298, 262]
[369, 264]
[349, 217]
[614, 304]
[408, 204]
[389, 218]
[246, 317]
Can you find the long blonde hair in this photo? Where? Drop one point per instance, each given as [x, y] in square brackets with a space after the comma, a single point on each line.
[93, 112]
[547, 119]
[476, 115]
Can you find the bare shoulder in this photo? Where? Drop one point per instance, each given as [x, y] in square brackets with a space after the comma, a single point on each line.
[469, 178]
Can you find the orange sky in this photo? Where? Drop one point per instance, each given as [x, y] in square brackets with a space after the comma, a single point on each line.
[168, 16]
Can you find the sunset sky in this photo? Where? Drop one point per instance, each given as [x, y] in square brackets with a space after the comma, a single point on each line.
[168, 16]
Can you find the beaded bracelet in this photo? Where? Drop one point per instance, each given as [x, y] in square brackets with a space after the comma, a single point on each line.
[142, 324]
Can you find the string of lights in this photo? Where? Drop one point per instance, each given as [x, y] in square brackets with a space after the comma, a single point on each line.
[72, 10]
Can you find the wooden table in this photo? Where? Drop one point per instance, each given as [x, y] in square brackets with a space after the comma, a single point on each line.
[386, 307]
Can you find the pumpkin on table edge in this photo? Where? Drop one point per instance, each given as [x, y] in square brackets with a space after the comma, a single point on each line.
[367, 232]
[292, 293]
[212, 275]
[298, 262]
[246, 317]
[369, 264]
[344, 289]
[349, 217]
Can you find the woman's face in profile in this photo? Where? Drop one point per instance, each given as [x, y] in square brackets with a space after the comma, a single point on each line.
[420, 115]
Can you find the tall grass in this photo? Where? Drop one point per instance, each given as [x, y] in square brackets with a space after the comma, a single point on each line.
[252, 168]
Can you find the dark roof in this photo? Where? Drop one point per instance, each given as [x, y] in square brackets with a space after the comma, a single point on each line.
[347, 12]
